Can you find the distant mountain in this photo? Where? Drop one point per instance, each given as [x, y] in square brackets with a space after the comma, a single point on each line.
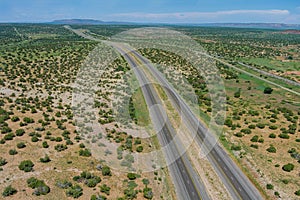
[255, 25]
[85, 22]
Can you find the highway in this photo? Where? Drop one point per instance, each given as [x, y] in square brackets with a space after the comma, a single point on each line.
[291, 82]
[233, 178]
[187, 182]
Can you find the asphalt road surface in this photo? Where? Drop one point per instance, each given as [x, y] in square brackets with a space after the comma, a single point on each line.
[233, 178]
[187, 182]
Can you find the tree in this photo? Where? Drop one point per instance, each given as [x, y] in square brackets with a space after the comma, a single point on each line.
[8, 191]
[139, 149]
[12, 152]
[268, 90]
[106, 171]
[46, 159]
[26, 166]
[270, 187]
[21, 145]
[39, 185]
[237, 94]
[148, 194]
[288, 167]
[85, 152]
[271, 149]
[45, 144]
[105, 189]
[131, 176]
[228, 122]
[2, 161]
[74, 191]
[20, 132]
[145, 182]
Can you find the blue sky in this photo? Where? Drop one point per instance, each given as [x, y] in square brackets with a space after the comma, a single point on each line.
[170, 11]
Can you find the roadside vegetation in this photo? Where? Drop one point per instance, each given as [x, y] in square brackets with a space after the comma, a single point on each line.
[42, 151]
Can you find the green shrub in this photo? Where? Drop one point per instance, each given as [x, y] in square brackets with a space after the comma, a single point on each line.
[239, 134]
[34, 139]
[2, 162]
[139, 149]
[228, 122]
[288, 167]
[268, 90]
[273, 127]
[9, 191]
[130, 193]
[81, 145]
[237, 94]
[46, 159]
[74, 191]
[251, 126]
[131, 176]
[15, 119]
[106, 171]
[12, 152]
[284, 136]
[26, 166]
[98, 197]
[255, 146]
[60, 147]
[45, 144]
[105, 189]
[92, 182]
[20, 132]
[270, 187]
[272, 135]
[254, 138]
[39, 185]
[246, 131]
[260, 125]
[261, 140]
[236, 147]
[297, 193]
[148, 194]
[271, 149]
[21, 145]
[9, 136]
[28, 120]
[85, 152]
[5, 129]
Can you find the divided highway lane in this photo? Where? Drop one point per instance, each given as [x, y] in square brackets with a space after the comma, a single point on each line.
[233, 178]
[186, 180]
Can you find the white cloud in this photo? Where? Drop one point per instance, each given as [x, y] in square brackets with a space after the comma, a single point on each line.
[196, 16]
[202, 14]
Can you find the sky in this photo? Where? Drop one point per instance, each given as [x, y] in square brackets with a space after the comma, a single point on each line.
[153, 11]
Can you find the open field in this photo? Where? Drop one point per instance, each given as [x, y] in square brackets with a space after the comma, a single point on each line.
[39, 65]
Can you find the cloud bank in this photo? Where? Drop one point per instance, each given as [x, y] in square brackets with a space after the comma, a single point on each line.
[217, 16]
